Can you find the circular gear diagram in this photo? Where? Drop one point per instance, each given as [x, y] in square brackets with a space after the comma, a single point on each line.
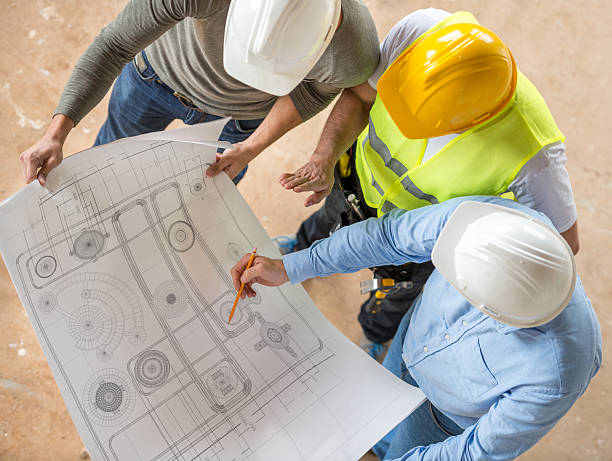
[181, 236]
[108, 398]
[47, 303]
[90, 327]
[170, 299]
[88, 244]
[45, 266]
[152, 368]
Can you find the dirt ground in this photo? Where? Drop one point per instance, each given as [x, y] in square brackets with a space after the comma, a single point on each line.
[563, 47]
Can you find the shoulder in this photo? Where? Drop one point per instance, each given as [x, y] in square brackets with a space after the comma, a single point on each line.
[565, 353]
[410, 27]
[353, 52]
[199, 9]
[402, 34]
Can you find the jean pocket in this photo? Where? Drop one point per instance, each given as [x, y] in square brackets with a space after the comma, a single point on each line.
[247, 126]
[143, 67]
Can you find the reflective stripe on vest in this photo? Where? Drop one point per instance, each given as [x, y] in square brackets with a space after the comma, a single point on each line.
[481, 161]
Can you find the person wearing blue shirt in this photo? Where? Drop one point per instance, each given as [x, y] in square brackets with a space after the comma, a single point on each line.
[500, 370]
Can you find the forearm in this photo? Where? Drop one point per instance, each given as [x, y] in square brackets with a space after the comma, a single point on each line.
[282, 118]
[138, 25]
[346, 121]
[59, 128]
[396, 238]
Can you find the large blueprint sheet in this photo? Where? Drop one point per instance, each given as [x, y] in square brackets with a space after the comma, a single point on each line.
[122, 266]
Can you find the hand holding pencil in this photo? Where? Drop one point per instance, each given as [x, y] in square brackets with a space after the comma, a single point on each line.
[262, 270]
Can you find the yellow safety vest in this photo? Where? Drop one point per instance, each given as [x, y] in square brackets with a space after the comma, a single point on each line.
[483, 160]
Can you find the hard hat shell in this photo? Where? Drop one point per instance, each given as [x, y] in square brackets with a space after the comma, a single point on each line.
[509, 265]
[271, 45]
[448, 81]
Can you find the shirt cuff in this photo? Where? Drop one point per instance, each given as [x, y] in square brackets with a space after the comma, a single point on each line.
[299, 266]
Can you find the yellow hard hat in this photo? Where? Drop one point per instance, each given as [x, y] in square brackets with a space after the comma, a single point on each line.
[448, 81]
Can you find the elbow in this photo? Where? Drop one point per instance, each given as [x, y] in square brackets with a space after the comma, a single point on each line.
[571, 237]
[575, 246]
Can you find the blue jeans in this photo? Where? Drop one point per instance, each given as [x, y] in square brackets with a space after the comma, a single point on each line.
[141, 103]
[426, 425]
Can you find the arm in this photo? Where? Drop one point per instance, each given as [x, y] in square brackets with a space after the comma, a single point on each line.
[513, 424]
[571, 236]
[347, 119]
[305, 101]
[139, 24]
[398, 237]
[544, 185]
[282, 117]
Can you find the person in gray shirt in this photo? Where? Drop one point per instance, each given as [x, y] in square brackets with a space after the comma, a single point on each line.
[171, 53]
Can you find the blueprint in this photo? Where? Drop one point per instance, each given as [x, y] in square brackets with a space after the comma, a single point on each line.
[122, 264]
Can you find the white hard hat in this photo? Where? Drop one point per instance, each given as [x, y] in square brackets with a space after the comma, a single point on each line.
[511, 266]
[271, 45]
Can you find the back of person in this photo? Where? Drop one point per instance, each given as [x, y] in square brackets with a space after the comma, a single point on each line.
[489, 360]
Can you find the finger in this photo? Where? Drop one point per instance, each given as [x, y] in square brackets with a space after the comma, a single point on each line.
[212, 170]
[249, 275]
[51, 163]
[232, 170]
[309, 185]
[284, 180]
[31, 165]
[250, 291]
[238, 269]
[215, 168]
[297, 181]
[315, 198]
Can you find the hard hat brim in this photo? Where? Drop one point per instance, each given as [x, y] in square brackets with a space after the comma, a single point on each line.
[443, 252]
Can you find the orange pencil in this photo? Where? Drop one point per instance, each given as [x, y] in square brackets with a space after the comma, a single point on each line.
[241, 286]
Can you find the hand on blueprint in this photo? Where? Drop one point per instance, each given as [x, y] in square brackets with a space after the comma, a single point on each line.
[46, 154]
[38, 160]
[265, 271]
[316, 176]
[232, 161]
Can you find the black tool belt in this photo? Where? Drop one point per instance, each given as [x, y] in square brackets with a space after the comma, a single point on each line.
[348, 182]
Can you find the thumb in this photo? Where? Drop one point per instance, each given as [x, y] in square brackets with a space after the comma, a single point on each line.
[221, 165]
[315, 198]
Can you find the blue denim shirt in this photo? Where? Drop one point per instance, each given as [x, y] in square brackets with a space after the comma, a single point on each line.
[505, 386]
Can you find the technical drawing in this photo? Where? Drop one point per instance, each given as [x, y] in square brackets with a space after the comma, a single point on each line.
[170, 299]
[108, 397]
[181, 236]
[123, 266]
[152, 368]
[88, 244]
[274, 336]
[99, 322]
[45, 266]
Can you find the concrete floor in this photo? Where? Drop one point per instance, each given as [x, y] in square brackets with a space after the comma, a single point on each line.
[563, 47]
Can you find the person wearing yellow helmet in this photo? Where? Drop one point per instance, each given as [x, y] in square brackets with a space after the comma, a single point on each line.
[446, 114]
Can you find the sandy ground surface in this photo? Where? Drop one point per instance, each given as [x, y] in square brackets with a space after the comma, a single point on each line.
[563, 47]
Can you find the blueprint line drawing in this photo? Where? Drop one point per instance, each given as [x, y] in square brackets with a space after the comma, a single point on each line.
[122, 265]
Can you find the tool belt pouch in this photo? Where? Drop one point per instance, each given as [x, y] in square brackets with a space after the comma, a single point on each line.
[397, 273]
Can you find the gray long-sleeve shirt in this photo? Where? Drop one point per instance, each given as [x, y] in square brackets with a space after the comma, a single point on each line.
[183, 40]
